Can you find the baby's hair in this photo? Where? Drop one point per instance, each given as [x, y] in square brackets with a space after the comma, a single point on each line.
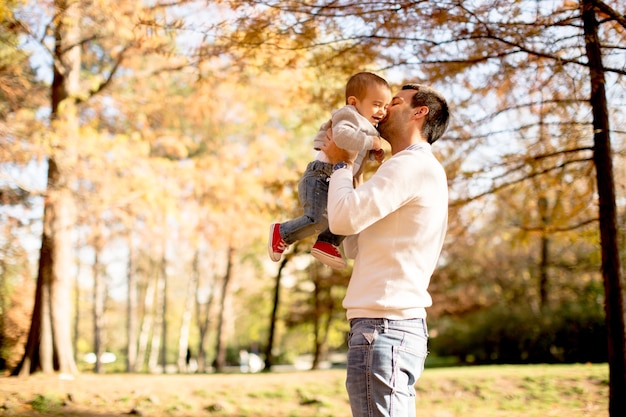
[359, 83]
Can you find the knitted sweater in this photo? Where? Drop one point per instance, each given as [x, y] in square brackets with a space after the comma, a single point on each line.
[396, 224]
[351, 131]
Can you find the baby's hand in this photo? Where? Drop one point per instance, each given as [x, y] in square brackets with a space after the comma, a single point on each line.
[377, 155]
[376, 145]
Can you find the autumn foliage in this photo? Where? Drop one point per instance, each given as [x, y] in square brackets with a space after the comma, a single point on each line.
[146, 148]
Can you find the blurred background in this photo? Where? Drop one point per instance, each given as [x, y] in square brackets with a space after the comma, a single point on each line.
[146, 147]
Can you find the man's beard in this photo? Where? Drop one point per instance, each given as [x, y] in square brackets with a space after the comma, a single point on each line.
[382, 129]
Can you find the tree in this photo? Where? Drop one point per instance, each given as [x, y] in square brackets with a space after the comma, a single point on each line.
[131, 310]
[16, 76]
[101, 48]
[200, 141]
[603, 158]
[185, 326]
[14, 283]
[203, 310]
[49, 345]
[325, 307]
[220, 348]
[99, 300]
[269, 347]
[508, 62]
[117, 176]
[149, 295]
[18, 199]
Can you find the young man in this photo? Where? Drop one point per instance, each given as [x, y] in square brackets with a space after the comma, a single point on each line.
[395, 225]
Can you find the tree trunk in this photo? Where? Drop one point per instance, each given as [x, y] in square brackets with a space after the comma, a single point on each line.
[611, 269]
[98, 304]
[220, 349]
[163, 313]
[317, 319]
[322, 318]
[76, 309]
[131, 312]
[269, 359]
[203, 315]
[203, 330]
[544, 261]
[157, 329]
[4, 302]
[146, 325]
[183, 339]
[49, 345]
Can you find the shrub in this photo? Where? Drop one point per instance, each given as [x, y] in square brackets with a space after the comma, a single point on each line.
[503, 334]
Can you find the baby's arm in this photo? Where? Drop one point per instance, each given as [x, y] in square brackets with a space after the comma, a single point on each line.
[318, 141]
[377, 153]
[352, 131]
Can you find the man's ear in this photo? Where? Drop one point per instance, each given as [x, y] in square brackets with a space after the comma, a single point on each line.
[351, 101]
[420, 111]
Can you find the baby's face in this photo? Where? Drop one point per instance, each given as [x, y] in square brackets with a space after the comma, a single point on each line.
[374, 106]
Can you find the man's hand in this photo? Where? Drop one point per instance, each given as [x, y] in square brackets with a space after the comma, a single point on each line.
[334, 153]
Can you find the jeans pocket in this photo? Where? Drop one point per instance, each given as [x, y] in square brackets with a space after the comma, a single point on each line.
[359, 338]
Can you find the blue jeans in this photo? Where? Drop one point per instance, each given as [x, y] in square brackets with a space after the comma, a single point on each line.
[313, 196]
[385, 359]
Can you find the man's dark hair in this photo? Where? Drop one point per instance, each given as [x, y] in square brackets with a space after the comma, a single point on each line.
[438, 116]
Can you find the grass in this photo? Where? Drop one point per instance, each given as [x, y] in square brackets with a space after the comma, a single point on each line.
[482, 391]
[529, 391]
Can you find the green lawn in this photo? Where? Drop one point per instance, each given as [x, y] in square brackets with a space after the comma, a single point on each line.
[511, 391]
[481, 391]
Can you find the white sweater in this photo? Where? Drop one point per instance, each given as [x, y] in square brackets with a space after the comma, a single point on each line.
[396, 224]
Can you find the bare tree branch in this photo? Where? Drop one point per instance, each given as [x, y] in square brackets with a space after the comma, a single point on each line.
[614, 14]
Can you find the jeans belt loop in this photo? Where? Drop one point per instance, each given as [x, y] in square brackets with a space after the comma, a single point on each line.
[385, 325]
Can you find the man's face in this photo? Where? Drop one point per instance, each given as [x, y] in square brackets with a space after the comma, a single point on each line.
[374, 105]
[398, 114]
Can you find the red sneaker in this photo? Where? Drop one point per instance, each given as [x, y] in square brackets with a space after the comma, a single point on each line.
[328, 255]
[276, 245]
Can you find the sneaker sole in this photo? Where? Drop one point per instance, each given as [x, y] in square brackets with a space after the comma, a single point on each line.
[273, 256]
[328, 260]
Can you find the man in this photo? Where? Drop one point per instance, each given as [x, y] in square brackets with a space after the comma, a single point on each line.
[395, 223]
